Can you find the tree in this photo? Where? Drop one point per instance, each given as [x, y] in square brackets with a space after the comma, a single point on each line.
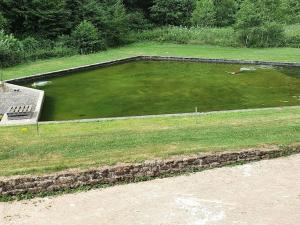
[172, 12]
[36, 17]
[86, 39]
[204, 15]
[3, 22]
[256, 24]
[225, 12]
[290, 11]
[137, 5]
[109, 17]
[218, 13]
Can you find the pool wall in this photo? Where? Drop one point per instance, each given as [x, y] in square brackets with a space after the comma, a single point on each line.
[60, 73]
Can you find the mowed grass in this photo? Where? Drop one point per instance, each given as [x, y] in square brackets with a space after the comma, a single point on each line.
[151, 48]
[84, 145]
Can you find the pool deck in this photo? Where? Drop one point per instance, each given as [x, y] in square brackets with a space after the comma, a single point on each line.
[14, 95]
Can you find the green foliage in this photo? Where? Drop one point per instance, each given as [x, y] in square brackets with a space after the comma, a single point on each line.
[266, 35]
[172, 12]
[257, 24]
[214, 13]
[109, 17]
[39, 17]
[86, 39]
[30, 45]
[225, 12]
[290, 11]
[3, 22]
[137, 21]
[204, 15]
[11, 50]
[195, 35]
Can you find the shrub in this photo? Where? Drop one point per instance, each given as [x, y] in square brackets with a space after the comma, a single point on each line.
[11, 50]
[30, 45]
[257, 28]
[266, 35]
[137, 21]
[293, 41]
[86, 39]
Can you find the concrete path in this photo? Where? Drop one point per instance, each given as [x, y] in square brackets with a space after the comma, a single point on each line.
[262, 193]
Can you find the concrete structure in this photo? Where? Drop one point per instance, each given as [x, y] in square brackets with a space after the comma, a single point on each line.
[13, 95]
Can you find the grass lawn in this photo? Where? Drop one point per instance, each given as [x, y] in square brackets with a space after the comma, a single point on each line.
[148, 48]
[82, 145]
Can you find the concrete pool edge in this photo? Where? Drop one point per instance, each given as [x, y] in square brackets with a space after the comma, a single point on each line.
[37, 101]
[37, 77]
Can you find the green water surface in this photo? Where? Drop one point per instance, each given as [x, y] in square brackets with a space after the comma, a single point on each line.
[148, 87]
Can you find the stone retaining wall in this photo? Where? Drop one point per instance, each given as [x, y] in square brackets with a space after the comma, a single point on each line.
[131, 173]
[59, 73]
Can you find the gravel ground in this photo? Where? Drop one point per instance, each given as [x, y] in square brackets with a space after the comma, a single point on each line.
[261, 193]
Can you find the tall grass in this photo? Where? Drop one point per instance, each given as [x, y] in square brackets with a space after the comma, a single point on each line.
[193, 35]
[292, 33]
[225, 36]
[292, 30]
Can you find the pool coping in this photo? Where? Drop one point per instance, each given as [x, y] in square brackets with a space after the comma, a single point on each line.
[64, 72]
[36, 112]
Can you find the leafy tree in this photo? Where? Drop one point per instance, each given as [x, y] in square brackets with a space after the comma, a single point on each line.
[225, 11]
[137, 5]
[172, 12]
[204, 14]
[137, 21]
[36, 17]
[256, 24]
[86, 39]
[290, 11]
[109, 17]
[3, 22]
[215, 13]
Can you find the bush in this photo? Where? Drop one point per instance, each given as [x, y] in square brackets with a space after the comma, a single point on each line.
[30, 45]
[137, 21]
[293, 41]
[11, 50]
[86, 39]
[257, 28]
[266, 35]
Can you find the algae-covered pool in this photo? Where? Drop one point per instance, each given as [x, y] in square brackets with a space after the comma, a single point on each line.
[162, 87]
